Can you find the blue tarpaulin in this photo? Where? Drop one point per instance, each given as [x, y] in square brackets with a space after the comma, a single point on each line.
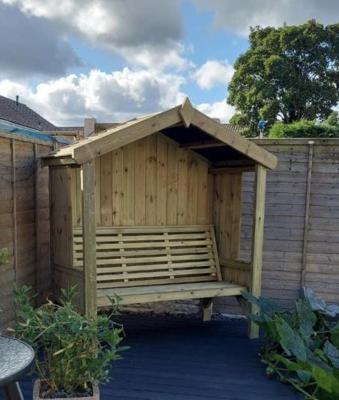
[21, 131]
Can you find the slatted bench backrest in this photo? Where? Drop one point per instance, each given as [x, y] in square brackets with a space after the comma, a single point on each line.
[142, 256]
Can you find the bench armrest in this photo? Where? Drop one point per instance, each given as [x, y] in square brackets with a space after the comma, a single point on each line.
[236, 271]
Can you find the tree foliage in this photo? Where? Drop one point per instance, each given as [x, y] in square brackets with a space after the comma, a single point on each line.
[288, 74]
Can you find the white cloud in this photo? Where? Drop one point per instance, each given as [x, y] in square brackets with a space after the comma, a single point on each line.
[143, 32]
[219, 110]
[115, 96]
[213, 73]
[242, 14]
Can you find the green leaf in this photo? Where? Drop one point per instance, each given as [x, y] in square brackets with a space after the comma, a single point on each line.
[323, 379]
[307, 317]
[335, 335]
[291, 341]
[332, 353]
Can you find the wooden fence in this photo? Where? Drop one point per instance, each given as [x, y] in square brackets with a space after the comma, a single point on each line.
[302, 221]
[24, 218]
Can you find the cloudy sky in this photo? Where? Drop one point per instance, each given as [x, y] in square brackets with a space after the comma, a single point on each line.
[115, 59]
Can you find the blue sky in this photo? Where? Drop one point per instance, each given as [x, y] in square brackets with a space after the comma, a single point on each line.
[116, 59]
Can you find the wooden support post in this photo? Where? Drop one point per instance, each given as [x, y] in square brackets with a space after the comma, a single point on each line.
[89, 241]
[307, 211]
[257, 240]
[206, 308]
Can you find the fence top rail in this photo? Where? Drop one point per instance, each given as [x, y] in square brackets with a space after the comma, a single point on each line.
[296, 141]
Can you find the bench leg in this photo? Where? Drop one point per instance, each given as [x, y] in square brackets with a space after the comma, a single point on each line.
[206, 308]
[13, 391]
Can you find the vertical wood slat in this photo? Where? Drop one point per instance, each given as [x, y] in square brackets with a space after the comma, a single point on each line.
[161, 181]
[89, 237]
[106, 189]
[192, 188]
[182, 186]
[172, 185]
[257, 240]
[15, 227]
[117, 187]
[140, 183]
[129, 184]
[307, 212]
[151, 181]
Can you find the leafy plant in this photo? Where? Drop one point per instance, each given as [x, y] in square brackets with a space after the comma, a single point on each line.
[301, 344]
[73, 351]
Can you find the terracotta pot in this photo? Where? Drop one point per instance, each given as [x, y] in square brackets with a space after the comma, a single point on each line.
[36, 394]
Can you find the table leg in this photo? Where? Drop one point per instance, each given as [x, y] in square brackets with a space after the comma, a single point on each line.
[13, 391]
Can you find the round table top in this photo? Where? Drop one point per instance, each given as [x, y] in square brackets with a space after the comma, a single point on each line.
[15, 359]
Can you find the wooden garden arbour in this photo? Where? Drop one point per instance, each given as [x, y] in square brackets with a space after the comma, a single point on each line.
[177, 169]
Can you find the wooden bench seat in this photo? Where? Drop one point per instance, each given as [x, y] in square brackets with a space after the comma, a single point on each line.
[147, 264]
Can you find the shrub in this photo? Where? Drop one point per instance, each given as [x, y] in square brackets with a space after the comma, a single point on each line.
[304, 129]
[301, 345]
[73, 351]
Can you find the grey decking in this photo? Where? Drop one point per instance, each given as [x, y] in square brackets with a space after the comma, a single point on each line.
[186, 359]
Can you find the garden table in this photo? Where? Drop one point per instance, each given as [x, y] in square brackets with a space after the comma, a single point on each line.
[16, 357]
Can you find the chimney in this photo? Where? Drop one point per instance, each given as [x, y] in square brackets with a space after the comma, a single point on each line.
[89, 126]
[17, 100]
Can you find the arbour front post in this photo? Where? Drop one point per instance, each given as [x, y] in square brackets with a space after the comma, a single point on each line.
[89, 237]
[257, 240]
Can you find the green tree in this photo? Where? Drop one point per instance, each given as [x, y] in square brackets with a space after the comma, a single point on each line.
[288, 74]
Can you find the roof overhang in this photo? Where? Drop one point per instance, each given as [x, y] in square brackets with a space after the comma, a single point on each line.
[184, 114]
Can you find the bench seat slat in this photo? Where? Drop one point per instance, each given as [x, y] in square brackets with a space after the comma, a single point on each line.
[179, 291]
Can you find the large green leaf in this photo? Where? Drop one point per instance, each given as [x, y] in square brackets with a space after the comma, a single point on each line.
[307, 317]
[332, 353]
[291, 341]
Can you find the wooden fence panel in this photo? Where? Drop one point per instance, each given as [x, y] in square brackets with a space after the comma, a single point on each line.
[24, 220]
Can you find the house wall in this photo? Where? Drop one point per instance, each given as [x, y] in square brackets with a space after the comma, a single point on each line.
[149, 182]
[24, 220]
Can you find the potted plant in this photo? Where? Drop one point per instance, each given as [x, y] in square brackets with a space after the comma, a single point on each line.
[73, 352]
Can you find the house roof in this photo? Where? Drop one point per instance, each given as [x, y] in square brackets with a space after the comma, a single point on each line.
[184, 124]
[20, 114]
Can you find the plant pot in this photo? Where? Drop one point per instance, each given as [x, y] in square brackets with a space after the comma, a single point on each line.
[36, 394]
